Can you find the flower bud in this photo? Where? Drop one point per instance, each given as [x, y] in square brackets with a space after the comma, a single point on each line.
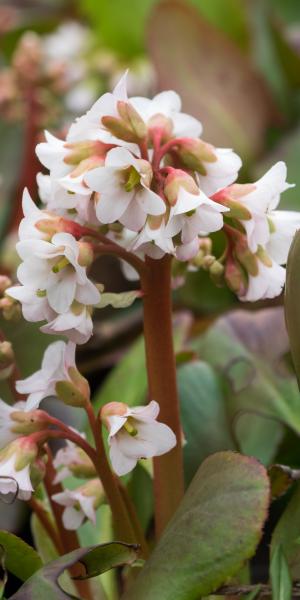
[81, 151]
[174, 181]
[26, 422]
[86, 254]
[7, 360]
[69, 394]
[194, 152]
[162, 124]
[130, 127]
[216, 272]
[208, 261]
[5, 283]
[237, 210]
[234, 277]
[24, 449]
[11, 308]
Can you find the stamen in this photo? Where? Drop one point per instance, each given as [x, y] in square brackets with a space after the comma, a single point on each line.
[60, 265]
[130, 429]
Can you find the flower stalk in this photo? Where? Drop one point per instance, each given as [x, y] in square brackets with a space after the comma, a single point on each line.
[161, 369]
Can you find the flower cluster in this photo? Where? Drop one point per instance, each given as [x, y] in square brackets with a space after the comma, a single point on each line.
[137, 171]
[132, 178]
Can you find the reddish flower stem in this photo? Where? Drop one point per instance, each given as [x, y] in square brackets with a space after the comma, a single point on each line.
[30, 163]
[161, 368]
[43, 517]
[123, 525]
[67, 539]
[115, 250]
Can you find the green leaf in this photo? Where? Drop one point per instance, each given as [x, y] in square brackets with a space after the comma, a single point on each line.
[292, 299]
[203, 415]
[20, 558]
[3, 572]
[96, 560]
[215, 80]
[287, 533]
[247, 349]
[215, 530]
[127, 382]
[280, 576]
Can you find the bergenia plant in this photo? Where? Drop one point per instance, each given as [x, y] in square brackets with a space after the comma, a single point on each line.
[135, 179]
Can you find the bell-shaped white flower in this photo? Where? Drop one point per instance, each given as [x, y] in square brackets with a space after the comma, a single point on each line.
[135, 433]
[168, 104]
[58, 358]
[268, 283]
[195, 214]
[34, 307]
[283, 226]
[32, 214]
[124, 187]
[76, 324]
[221, 172]
[80, 504]
[53, 269]
[61, 201]
[261, 199]
[15, 465]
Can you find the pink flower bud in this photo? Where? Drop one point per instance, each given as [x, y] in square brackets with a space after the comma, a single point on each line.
[175, 180]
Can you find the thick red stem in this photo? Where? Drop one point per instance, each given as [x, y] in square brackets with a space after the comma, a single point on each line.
[161, 368]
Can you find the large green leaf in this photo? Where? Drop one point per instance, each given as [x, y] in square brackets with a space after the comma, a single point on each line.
[292, 298]
[246, 348]
[20, 558]
[96, 560]
[213, 77]
[216, 528]
[203, 415]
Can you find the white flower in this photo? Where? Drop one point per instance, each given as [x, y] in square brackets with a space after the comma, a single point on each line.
[15, 464]
[134, 433]
[80, 503]
[71, 460]
[76, 324]
[14, 481]
[34, 308]
[52, 269]
[77, 207]
[32, 214]
[195, 214]
[284, 225]
[57, 360]
[68, 162]
[221, 172]
[123, 184]
[168, 104]
[153, 240]
[261, 199]
[268, 283]
[90, 126]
